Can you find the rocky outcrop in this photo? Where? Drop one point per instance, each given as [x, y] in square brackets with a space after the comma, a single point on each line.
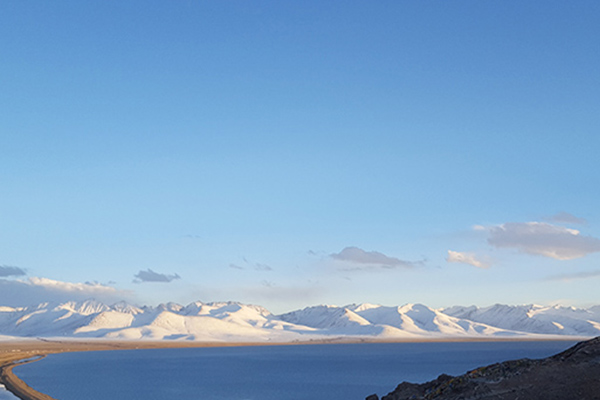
[571, 375]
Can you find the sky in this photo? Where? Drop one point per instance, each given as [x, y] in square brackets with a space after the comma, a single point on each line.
[290, 154]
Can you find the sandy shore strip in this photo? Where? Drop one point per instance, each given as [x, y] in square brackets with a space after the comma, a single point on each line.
[17, 352]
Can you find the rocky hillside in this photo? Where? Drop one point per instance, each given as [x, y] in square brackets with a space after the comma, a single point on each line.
[571, 375]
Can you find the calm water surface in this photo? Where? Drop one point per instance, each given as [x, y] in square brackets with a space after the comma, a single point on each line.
[6, 395]
[307, 372]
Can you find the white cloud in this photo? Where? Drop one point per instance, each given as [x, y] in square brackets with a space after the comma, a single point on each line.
[465, 258]
[39, 290]
[89, 288]
[356, 255]
[543, 239]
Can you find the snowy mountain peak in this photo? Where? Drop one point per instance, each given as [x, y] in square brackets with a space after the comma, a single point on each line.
[124, 307]
[362, 307]
[415, 307]
[325, 317]
[223, 309]
[233, 321]
[533, 318]
[174, 307]
[85, 307]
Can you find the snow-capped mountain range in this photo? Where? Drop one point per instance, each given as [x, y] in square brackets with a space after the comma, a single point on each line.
[236, 322]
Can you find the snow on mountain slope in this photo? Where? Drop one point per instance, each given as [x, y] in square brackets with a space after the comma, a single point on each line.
[325, 317]
[107, 320]
[422, 320]
[86, 307]
[333, 320]
[197, 321]
[217, 309]
[411, 320]
[555, 320]
[236, 313]
[222, 326]
[126, 308]
[231, 321]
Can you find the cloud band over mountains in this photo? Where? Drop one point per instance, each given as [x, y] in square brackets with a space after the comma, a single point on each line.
[543, 239]
[39, 290]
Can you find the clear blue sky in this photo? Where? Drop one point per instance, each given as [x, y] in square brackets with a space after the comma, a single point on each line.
[296, 153]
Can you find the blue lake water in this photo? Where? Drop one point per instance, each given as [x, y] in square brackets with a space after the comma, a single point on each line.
[300, 372]
[6, 395]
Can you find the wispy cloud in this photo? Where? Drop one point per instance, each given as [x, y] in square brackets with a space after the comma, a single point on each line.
[36, 290]
[564, 217]
[355, 255]
[543, 239]
[251, 265]
[574, 276]
[89, 288]
[262, 267]
[151, 276]
[8, 270]
[466, 258]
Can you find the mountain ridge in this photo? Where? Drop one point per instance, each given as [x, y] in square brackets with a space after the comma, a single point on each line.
[234, 321]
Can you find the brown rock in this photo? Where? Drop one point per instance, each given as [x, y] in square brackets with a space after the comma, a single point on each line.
[571, 375]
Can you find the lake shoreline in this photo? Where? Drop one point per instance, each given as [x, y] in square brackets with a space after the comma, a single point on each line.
[17, 352]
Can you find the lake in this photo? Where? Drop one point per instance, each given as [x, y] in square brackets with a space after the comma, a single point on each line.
[6, 395]
[294, 372]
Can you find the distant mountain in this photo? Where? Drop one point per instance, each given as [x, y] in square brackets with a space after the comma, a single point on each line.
[237, 322]
[197, 321]
[554, 320]
[408, 321]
